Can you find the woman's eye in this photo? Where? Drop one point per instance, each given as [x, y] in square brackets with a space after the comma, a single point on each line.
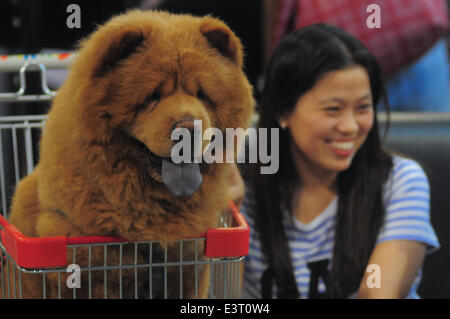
[332, 108]
[364, 106]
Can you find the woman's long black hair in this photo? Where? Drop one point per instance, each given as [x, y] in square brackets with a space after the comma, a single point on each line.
[295, 66]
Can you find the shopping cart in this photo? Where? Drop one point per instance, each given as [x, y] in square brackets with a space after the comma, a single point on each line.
[102, 267]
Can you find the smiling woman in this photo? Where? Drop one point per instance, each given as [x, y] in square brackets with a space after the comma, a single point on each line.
[327, 132]
[339, 202]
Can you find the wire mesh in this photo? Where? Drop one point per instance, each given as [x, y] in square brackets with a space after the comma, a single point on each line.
[124, 271]
[127, 270]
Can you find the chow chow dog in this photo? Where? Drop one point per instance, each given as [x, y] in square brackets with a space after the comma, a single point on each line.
[105, 154]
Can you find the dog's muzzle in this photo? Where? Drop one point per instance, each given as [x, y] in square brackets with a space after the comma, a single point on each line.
[182, 179]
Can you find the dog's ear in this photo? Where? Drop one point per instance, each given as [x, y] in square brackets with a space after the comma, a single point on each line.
[220, 36]
[115, 47]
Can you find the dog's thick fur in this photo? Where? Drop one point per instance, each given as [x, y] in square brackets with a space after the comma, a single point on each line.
[133, 80]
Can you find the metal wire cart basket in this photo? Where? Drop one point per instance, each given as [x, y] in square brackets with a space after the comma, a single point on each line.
[102, 267]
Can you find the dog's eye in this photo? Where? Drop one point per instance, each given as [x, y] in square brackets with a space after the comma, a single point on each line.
[154, 97]
[151, 99]
[202, 96]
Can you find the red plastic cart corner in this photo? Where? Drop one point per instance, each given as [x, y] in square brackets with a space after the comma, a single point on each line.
[30, 252]
[228, 242]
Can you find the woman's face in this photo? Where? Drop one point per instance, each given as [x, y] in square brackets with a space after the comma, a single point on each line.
[332, 120]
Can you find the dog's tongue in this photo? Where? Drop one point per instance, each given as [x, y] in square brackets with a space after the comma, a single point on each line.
[182, 179]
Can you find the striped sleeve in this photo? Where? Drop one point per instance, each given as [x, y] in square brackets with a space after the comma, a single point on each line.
[408, 206]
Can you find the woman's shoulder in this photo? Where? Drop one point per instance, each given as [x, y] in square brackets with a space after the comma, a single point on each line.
[401, 162]
[407, 200]
[405, 173]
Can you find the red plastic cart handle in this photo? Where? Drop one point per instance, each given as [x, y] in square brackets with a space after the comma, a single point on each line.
[50, 252]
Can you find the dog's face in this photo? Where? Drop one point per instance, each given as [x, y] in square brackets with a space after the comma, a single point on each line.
[149, 73]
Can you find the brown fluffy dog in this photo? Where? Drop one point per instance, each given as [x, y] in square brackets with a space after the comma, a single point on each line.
[108, 131]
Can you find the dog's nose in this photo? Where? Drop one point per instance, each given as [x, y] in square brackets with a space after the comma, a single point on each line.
[188, 124]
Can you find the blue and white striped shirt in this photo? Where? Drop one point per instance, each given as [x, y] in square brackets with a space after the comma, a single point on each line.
[406, 198]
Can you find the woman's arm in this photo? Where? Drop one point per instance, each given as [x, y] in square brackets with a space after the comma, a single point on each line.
[405, 235]
[399, 262]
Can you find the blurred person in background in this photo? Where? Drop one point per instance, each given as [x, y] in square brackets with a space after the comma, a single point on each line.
[410, 43]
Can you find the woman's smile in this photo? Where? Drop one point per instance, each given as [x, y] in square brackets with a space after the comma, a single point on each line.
[343, 149]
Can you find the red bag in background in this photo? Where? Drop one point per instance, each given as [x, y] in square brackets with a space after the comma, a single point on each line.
[409, 28]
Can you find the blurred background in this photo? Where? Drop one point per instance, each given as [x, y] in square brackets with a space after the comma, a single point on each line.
[412, 44]
[412, 47]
